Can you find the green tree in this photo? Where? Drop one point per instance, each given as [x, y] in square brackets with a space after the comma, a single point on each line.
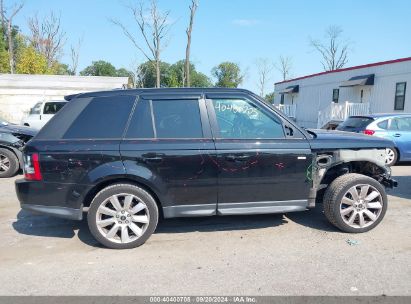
[176, 73]
[147, 74]
[199, 80]
[269, 98]
[31, 62]
[4, 55]
[99, 68]
[122, 72]
[228, 75]
[58, 68]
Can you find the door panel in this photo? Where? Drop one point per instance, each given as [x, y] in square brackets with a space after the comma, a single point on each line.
[257, 171]
[260, 170]
[181, 170]
[400, 133]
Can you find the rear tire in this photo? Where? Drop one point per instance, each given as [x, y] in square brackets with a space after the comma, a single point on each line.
[355, 203]
[122, 216]
[9, 163]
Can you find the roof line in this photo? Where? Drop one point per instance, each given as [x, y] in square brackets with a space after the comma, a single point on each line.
[349, 69]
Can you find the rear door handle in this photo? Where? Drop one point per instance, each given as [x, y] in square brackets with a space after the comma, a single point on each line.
[152, 157]
[242, 157]
[397, 135]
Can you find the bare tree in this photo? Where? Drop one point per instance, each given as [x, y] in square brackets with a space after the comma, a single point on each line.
[153, 29]
[3, 21]
[334, 50]
[193, 8]
[284, 66]
[138, 73]
[265, 67]
[75, 54]
[9, 32]
[47, 37]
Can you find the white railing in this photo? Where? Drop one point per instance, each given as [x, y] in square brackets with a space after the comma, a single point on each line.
[289, 110]
[337, 112]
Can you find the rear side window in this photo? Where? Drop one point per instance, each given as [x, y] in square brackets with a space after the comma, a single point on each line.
[53, 107]
[383, 124]
[103, 117]
[90, 118]
[177, 119]
[355, 123]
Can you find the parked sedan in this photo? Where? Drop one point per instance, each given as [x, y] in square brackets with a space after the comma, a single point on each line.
[396, 127]
[12, 140]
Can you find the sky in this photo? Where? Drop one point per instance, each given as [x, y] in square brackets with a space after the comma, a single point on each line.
[240, 31]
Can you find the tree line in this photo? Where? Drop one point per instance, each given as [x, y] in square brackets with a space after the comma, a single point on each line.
[39, 51]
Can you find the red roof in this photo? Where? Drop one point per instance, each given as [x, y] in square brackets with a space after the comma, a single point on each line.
[348, 69]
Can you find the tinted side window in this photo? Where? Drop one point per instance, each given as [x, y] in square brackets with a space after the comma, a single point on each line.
[141, 125]
[177, 119]
[103, 117]
[401, 124]
[238, 118]
[383, 124]
[53, 107]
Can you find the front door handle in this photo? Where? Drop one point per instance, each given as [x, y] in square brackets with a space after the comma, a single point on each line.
[397, 135]
[232, 157]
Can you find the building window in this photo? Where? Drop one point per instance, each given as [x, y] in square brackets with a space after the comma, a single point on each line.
[400, 95]
[362, 95]
[336, 95]
[282, 99]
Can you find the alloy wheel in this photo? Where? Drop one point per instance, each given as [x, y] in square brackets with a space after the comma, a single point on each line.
[361, 206]
[4, 163]
[390, 156]
[122, 218]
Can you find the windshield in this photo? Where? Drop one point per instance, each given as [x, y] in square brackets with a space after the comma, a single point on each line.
[53, 107]
[355, 123]
[36, 109]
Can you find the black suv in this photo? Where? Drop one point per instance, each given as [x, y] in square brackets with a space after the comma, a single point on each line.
[127, 157]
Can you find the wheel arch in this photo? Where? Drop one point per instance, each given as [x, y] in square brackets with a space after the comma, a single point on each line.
[125, 180]
[334, 170]
[366, 168]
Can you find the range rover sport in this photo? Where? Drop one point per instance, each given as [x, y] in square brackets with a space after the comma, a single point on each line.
[127, 157]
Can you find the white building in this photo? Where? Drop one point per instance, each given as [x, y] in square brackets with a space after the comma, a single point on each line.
[18, 93]
[327, 98]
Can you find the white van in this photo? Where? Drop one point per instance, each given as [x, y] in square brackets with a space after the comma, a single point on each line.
[42, 112]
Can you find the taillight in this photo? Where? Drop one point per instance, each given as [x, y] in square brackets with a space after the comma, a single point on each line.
[32, 167]
[368, 132]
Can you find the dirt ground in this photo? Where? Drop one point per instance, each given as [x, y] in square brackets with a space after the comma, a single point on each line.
[293, 254]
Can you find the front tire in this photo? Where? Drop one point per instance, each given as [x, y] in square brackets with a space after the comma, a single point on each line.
[122, 216]
[9, 164]
[355, 203]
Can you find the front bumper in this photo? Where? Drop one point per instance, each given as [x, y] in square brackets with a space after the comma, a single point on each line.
[55, 199]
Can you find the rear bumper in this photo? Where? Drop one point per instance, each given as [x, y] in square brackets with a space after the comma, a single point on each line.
[55, 199]
[67, 213]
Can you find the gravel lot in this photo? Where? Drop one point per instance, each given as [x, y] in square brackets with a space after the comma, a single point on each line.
[293, 254]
